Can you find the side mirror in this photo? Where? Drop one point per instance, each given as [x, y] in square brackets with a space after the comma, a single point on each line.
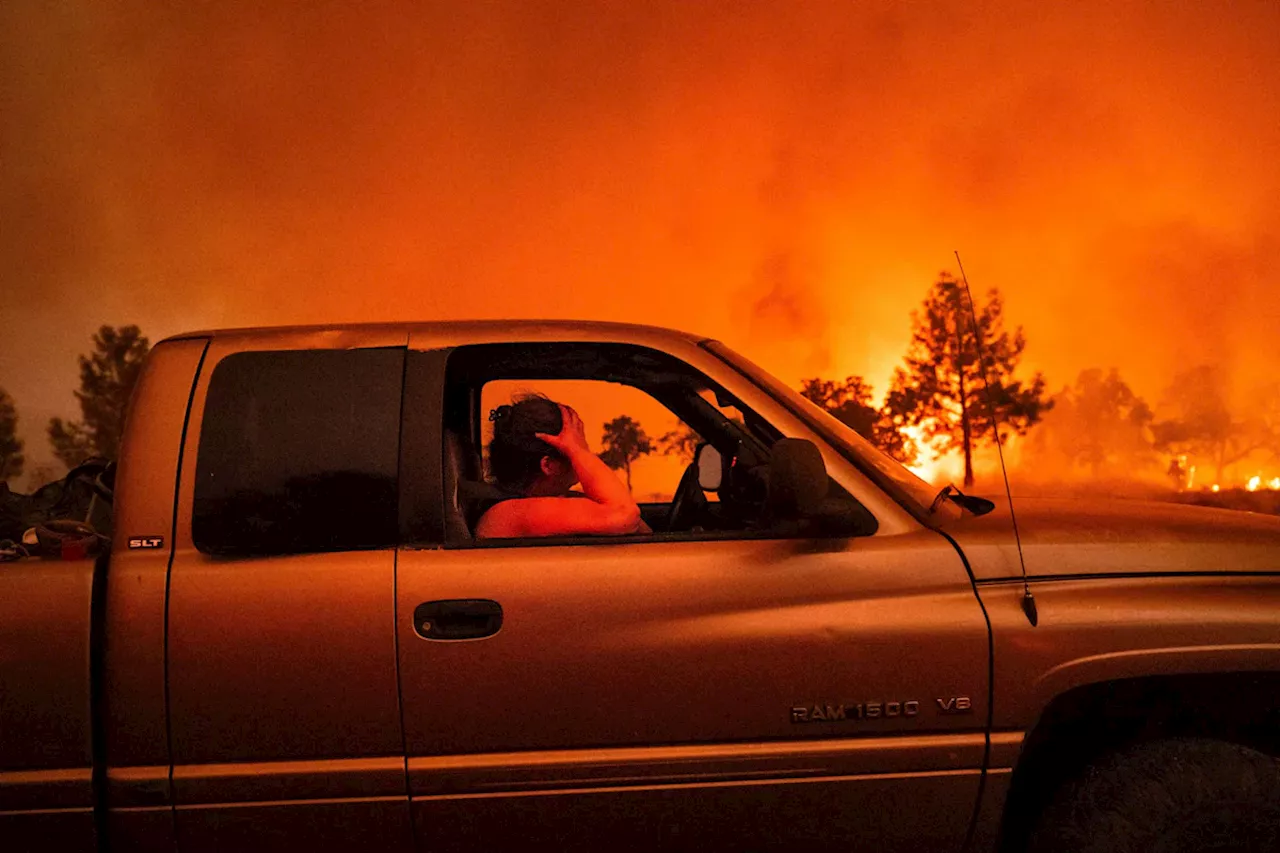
[710, 468]
[798, 479]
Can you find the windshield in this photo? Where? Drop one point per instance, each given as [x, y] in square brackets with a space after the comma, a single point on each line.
[884, 470]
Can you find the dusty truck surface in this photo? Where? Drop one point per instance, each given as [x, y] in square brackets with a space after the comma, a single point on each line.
[296, 643]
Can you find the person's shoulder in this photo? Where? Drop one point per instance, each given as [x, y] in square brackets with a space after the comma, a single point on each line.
[496, 521]
[535, 516]
[510, 517]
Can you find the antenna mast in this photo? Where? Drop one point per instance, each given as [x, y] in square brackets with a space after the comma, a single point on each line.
[1028, 600]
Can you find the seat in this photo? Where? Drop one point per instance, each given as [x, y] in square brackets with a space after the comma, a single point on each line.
[467, 496]
[456, 529]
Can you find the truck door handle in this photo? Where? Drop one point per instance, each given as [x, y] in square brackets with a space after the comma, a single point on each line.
[457, 619]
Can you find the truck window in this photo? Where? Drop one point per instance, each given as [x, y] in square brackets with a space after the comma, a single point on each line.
[298, 453]
[675, 405]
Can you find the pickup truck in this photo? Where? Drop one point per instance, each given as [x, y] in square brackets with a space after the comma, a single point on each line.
[294, 641]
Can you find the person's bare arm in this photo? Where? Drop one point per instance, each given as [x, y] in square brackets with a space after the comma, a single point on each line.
[598, 482]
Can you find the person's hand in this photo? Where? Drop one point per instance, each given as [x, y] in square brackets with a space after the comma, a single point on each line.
[572, 439]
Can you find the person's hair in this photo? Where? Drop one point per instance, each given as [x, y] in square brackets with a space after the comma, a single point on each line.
[515, 454]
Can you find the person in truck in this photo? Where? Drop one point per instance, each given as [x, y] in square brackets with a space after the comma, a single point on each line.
[538, 453]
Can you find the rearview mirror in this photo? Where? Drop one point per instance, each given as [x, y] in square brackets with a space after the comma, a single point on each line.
[797, 478]
[710, 468]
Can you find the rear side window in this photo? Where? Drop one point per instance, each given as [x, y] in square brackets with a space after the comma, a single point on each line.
[298, 453]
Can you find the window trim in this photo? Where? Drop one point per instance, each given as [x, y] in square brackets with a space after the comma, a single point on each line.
[658, 537]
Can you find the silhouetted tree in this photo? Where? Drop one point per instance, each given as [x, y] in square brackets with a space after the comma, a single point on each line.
[681, 442]
[850, 403]
[107, 378]
[1267, 417]
[624, 442]
[12, 458]
[941, 388]
[1203, 426]
[1100, 424]
[40, 475]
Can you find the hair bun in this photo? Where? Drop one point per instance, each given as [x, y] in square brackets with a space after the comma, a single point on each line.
[500, 413]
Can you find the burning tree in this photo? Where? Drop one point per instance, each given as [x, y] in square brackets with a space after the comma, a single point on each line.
[1203, 425]
[850, 403]
[1100, 424]
[941, 390]
[624, 442]
[107, 378]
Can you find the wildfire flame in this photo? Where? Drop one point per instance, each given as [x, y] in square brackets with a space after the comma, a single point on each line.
[926, 465]
[929, 465]
[1255, 483]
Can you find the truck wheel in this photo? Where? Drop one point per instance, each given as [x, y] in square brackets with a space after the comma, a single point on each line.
[1170, 796]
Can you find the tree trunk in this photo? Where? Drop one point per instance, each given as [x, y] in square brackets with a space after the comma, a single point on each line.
[968, 449]
[626, 466]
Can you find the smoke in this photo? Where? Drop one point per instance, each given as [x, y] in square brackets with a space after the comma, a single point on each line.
[787, 313]
[1209, 298]
[787, 178]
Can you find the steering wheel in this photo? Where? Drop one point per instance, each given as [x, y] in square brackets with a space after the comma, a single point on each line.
[689, 503]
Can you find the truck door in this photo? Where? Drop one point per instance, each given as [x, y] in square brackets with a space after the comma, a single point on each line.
[668, 692]
[284, 714]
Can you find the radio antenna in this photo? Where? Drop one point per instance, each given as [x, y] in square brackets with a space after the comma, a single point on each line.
[1028, 600]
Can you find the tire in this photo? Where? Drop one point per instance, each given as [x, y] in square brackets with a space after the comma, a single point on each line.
[1170, 796]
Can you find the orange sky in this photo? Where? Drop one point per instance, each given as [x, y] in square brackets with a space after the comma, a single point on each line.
[787, 177]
